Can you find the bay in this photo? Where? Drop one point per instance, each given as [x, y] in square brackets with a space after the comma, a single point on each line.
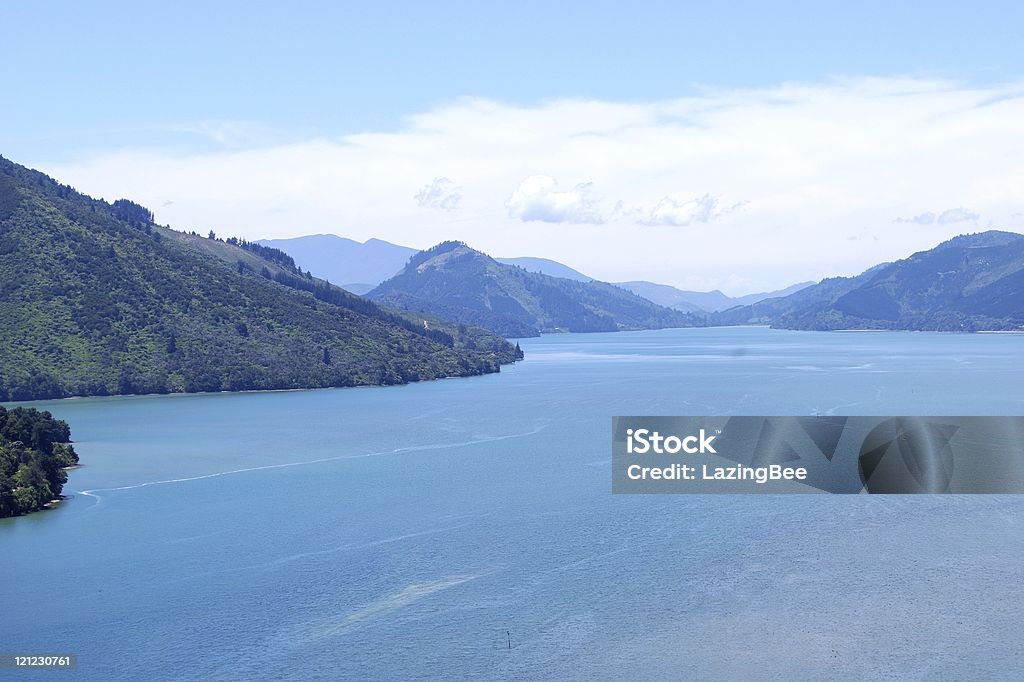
[416, 531]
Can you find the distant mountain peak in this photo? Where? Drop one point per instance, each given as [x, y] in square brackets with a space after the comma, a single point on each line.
[340, 259]
[701, 301]
[448, 246]
[460, 283]
[545, 266]
[436, 255]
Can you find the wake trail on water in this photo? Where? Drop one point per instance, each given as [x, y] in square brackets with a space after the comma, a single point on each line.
[382, 453]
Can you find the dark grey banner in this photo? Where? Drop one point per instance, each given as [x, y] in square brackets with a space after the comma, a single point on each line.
[894, 455]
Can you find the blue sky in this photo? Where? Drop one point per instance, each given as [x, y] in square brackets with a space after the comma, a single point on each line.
[100, 92]
[92, 75]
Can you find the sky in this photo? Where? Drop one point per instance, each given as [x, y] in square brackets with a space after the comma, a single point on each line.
[742, 146]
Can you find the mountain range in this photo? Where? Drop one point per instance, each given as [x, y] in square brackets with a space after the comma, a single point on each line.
[359, 267]
[97, 299]
[915, 293]
[968, 283]
[701, 301]
[464, 285]
[356, 267]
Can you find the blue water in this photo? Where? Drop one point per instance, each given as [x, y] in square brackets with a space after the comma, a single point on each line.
[411, 532]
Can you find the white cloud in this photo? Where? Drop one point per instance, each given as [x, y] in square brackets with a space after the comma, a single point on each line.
[703, 209]
[539, 198]
[947, 217]
[957, 215]
[441, 193]
[926, 218]
[817, 162]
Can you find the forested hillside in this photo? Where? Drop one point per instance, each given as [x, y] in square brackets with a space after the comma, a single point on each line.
[459, 283]
[968, 283]
[34, 449]
[96, 299]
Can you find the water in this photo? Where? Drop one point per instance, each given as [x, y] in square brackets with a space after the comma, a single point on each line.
[410, 532]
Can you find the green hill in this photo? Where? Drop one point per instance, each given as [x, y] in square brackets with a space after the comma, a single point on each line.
[458, 283]
[969, 283]
[96, 299]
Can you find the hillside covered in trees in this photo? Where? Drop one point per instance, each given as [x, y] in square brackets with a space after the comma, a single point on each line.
[96, 299]
[34, 450]
[972, 282]
[461, 284]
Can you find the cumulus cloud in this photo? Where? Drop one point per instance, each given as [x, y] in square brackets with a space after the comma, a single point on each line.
[947, 217]
[703, 209]
[441, 193]
[539, 197]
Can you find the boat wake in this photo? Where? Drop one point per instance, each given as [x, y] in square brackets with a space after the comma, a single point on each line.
[284, 465]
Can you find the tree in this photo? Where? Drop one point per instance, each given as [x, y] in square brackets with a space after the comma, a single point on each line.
[131, 213]
[8, 503]
[34, 450]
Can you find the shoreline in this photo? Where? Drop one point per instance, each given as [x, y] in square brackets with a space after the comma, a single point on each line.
[471, 376]
[18, 403]
[52, 504]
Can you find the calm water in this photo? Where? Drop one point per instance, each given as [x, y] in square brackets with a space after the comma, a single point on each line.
[402, 532]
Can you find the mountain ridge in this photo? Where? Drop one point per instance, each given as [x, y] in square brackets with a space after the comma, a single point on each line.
[468, 286]
[359, 267]
[346, 262]
[972, 282]
[546, 266]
